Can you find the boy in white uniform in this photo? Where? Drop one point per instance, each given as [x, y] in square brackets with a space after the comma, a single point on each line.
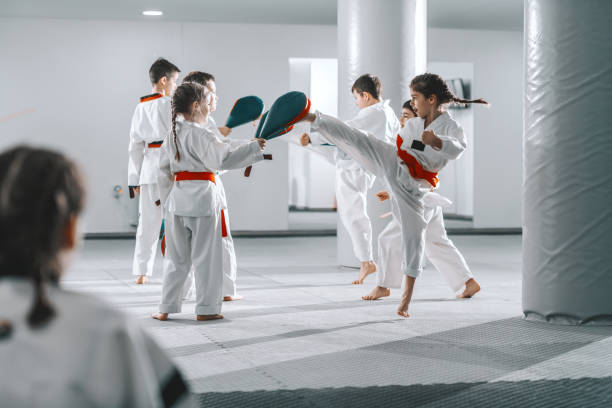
[353, 181]
[150, 125]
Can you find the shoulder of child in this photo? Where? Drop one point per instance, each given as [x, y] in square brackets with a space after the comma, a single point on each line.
[90, 312]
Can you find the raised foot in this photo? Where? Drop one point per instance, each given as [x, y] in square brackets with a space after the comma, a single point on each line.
[403, 314]
[209, 317]
[367, 268]
[377, 293]
[160, 316]
[471, 288]
[232, 298]
[141, 280]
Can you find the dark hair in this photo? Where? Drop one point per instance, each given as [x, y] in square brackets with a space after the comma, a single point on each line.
[199, 77]
[432, 84]
[408, 105]
[185, 95]
[368, 83]
[40, 190]
[161, 68]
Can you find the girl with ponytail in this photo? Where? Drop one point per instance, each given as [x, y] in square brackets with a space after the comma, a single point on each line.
[194, 217]
[57, 346]
[410, 168]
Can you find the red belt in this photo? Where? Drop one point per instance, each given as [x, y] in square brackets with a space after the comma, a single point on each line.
[194, 175]
[155, 145]
[416, 170]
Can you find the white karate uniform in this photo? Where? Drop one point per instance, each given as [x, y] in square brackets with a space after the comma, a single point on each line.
[439, 249]
[87, 355]
[229, 254]
[193, 213]
[151, 122]
[381, 159]
[353, 181]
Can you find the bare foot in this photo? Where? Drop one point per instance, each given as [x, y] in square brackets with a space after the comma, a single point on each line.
[209, 317]
[471, 288]
[232, 298]
[367, 268]
[402, 310]
[141, 280]
[160, 316]
[377, 293]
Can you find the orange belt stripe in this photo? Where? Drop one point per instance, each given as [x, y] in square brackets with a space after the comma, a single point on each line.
[194, 175]
[416, 170]
[223, 226]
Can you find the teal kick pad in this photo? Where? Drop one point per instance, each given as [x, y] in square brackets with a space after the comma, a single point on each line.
[245, 110]
[287, 110]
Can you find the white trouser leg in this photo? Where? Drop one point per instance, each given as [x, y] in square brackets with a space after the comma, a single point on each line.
[147, 233]
[443, 254]
[351, 189]
[229, 269]
[207, 260]
[229, 262]
[380, 159]
[177, 262]
[389, 273]
[411, 217]
[189, 286]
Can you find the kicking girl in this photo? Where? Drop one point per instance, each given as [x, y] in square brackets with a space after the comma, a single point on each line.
[410, 168]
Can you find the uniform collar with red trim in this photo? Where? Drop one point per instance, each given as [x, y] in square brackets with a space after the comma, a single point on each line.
[151, 97]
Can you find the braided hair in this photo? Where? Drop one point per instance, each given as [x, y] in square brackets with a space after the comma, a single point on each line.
[40, 192]
[432, 84]
[185, 95]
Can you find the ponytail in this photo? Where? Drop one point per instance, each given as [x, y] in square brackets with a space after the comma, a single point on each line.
[464, 101]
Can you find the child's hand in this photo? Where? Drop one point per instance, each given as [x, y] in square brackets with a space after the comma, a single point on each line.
[430, 138]
[304, 139]
[262, 143]
[225, 131]
[383, 195]
[310, 117]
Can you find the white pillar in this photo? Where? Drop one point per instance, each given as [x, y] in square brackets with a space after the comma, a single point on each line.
[567, 200]
[386, 38]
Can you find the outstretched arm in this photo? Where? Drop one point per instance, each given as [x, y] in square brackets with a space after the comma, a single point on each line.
[371, 153]
[225, 156]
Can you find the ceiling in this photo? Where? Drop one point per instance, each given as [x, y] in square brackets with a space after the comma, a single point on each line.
[462, 14]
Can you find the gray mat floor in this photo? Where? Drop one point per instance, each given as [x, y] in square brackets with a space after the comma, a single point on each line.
[303, 338]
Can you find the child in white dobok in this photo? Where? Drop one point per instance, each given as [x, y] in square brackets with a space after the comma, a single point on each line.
[230, 291]
[377, 118]
[409, 169]
[195, 225]
[150, 125]
[60, 348]
[439, 249]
